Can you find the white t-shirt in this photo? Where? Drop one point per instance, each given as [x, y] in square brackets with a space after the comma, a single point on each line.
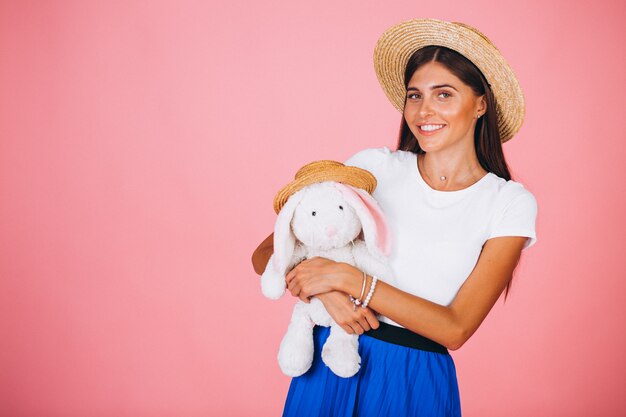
[436, 235]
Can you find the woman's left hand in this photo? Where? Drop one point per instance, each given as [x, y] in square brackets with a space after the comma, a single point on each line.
[316, 276]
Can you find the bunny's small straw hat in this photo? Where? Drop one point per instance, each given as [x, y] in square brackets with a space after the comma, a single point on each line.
[320, 171]
[397, 44]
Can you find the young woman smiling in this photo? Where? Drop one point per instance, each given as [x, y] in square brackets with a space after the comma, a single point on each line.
[459, 224]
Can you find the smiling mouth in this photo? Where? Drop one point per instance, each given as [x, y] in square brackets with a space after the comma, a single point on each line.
[431, 128]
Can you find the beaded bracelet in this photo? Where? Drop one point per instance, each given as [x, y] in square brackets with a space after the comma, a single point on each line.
[358, 301]
[371, 291]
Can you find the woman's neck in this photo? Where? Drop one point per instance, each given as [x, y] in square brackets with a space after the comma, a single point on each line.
[450, 173]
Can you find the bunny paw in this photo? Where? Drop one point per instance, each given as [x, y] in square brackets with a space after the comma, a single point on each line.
[342, 358]
[295, 355]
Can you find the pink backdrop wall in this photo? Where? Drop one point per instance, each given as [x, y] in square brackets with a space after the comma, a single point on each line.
[142, 142]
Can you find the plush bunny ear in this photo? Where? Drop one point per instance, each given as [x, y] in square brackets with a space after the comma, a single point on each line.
[375, 229]
[284, 240]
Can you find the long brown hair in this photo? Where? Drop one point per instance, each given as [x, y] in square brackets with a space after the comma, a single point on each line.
[486, 135]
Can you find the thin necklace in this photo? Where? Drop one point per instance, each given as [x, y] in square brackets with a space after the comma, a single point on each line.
[442, 177]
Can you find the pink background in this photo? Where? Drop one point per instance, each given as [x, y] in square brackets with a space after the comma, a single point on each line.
[141, 145]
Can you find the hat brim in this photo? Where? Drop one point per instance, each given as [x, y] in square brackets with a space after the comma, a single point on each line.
[397, 44]
[321, 171]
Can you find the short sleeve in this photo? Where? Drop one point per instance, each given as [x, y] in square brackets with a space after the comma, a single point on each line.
[517, 218]
[369, 159]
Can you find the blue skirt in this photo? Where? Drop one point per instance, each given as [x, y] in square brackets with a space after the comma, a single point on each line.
[393, 381]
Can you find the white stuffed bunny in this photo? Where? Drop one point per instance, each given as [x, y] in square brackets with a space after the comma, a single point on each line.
[324, 219]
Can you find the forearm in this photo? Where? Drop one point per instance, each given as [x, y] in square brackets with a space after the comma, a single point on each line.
[419, 315]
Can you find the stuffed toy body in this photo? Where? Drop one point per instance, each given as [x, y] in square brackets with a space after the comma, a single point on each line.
[325, 219]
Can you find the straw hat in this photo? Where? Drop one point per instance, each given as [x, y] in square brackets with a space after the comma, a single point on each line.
[320, 171]
[398, 43]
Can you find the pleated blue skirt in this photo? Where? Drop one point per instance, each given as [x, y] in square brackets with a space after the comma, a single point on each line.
[393, 381]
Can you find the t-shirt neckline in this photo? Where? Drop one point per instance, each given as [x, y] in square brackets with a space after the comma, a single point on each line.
[427, 187]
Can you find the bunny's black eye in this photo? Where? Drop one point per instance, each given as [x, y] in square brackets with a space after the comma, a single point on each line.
[340, 207]
[313, 214]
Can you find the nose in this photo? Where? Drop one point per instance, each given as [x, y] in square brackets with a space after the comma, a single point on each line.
[331, 231]
[426, 108]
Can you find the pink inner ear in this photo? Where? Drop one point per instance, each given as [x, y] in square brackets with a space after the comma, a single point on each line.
[383, 236]
[382, 229]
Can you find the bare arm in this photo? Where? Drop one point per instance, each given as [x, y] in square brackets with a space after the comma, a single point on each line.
[453, 325]
[336, 302]
[450, 325]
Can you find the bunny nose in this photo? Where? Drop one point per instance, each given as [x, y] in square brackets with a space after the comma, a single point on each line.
[331, 231]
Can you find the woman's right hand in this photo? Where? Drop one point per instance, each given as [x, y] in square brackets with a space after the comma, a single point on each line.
[341, 309]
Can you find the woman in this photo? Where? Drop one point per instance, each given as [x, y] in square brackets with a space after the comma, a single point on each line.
[458, 221]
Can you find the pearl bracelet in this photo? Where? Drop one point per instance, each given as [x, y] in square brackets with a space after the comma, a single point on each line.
[371, 291]
[358, 301]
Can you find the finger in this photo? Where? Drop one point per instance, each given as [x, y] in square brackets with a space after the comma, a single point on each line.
[301, 292]
[364, 324]
[296, 291]
[295, 285]
[290, 275]
[294, 288]
[371, 319]
[347, 329]
[357, 328]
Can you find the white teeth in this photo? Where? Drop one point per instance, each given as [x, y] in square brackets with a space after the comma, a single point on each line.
[430, 128]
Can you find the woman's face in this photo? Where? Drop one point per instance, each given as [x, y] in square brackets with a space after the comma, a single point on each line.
[440, 109]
